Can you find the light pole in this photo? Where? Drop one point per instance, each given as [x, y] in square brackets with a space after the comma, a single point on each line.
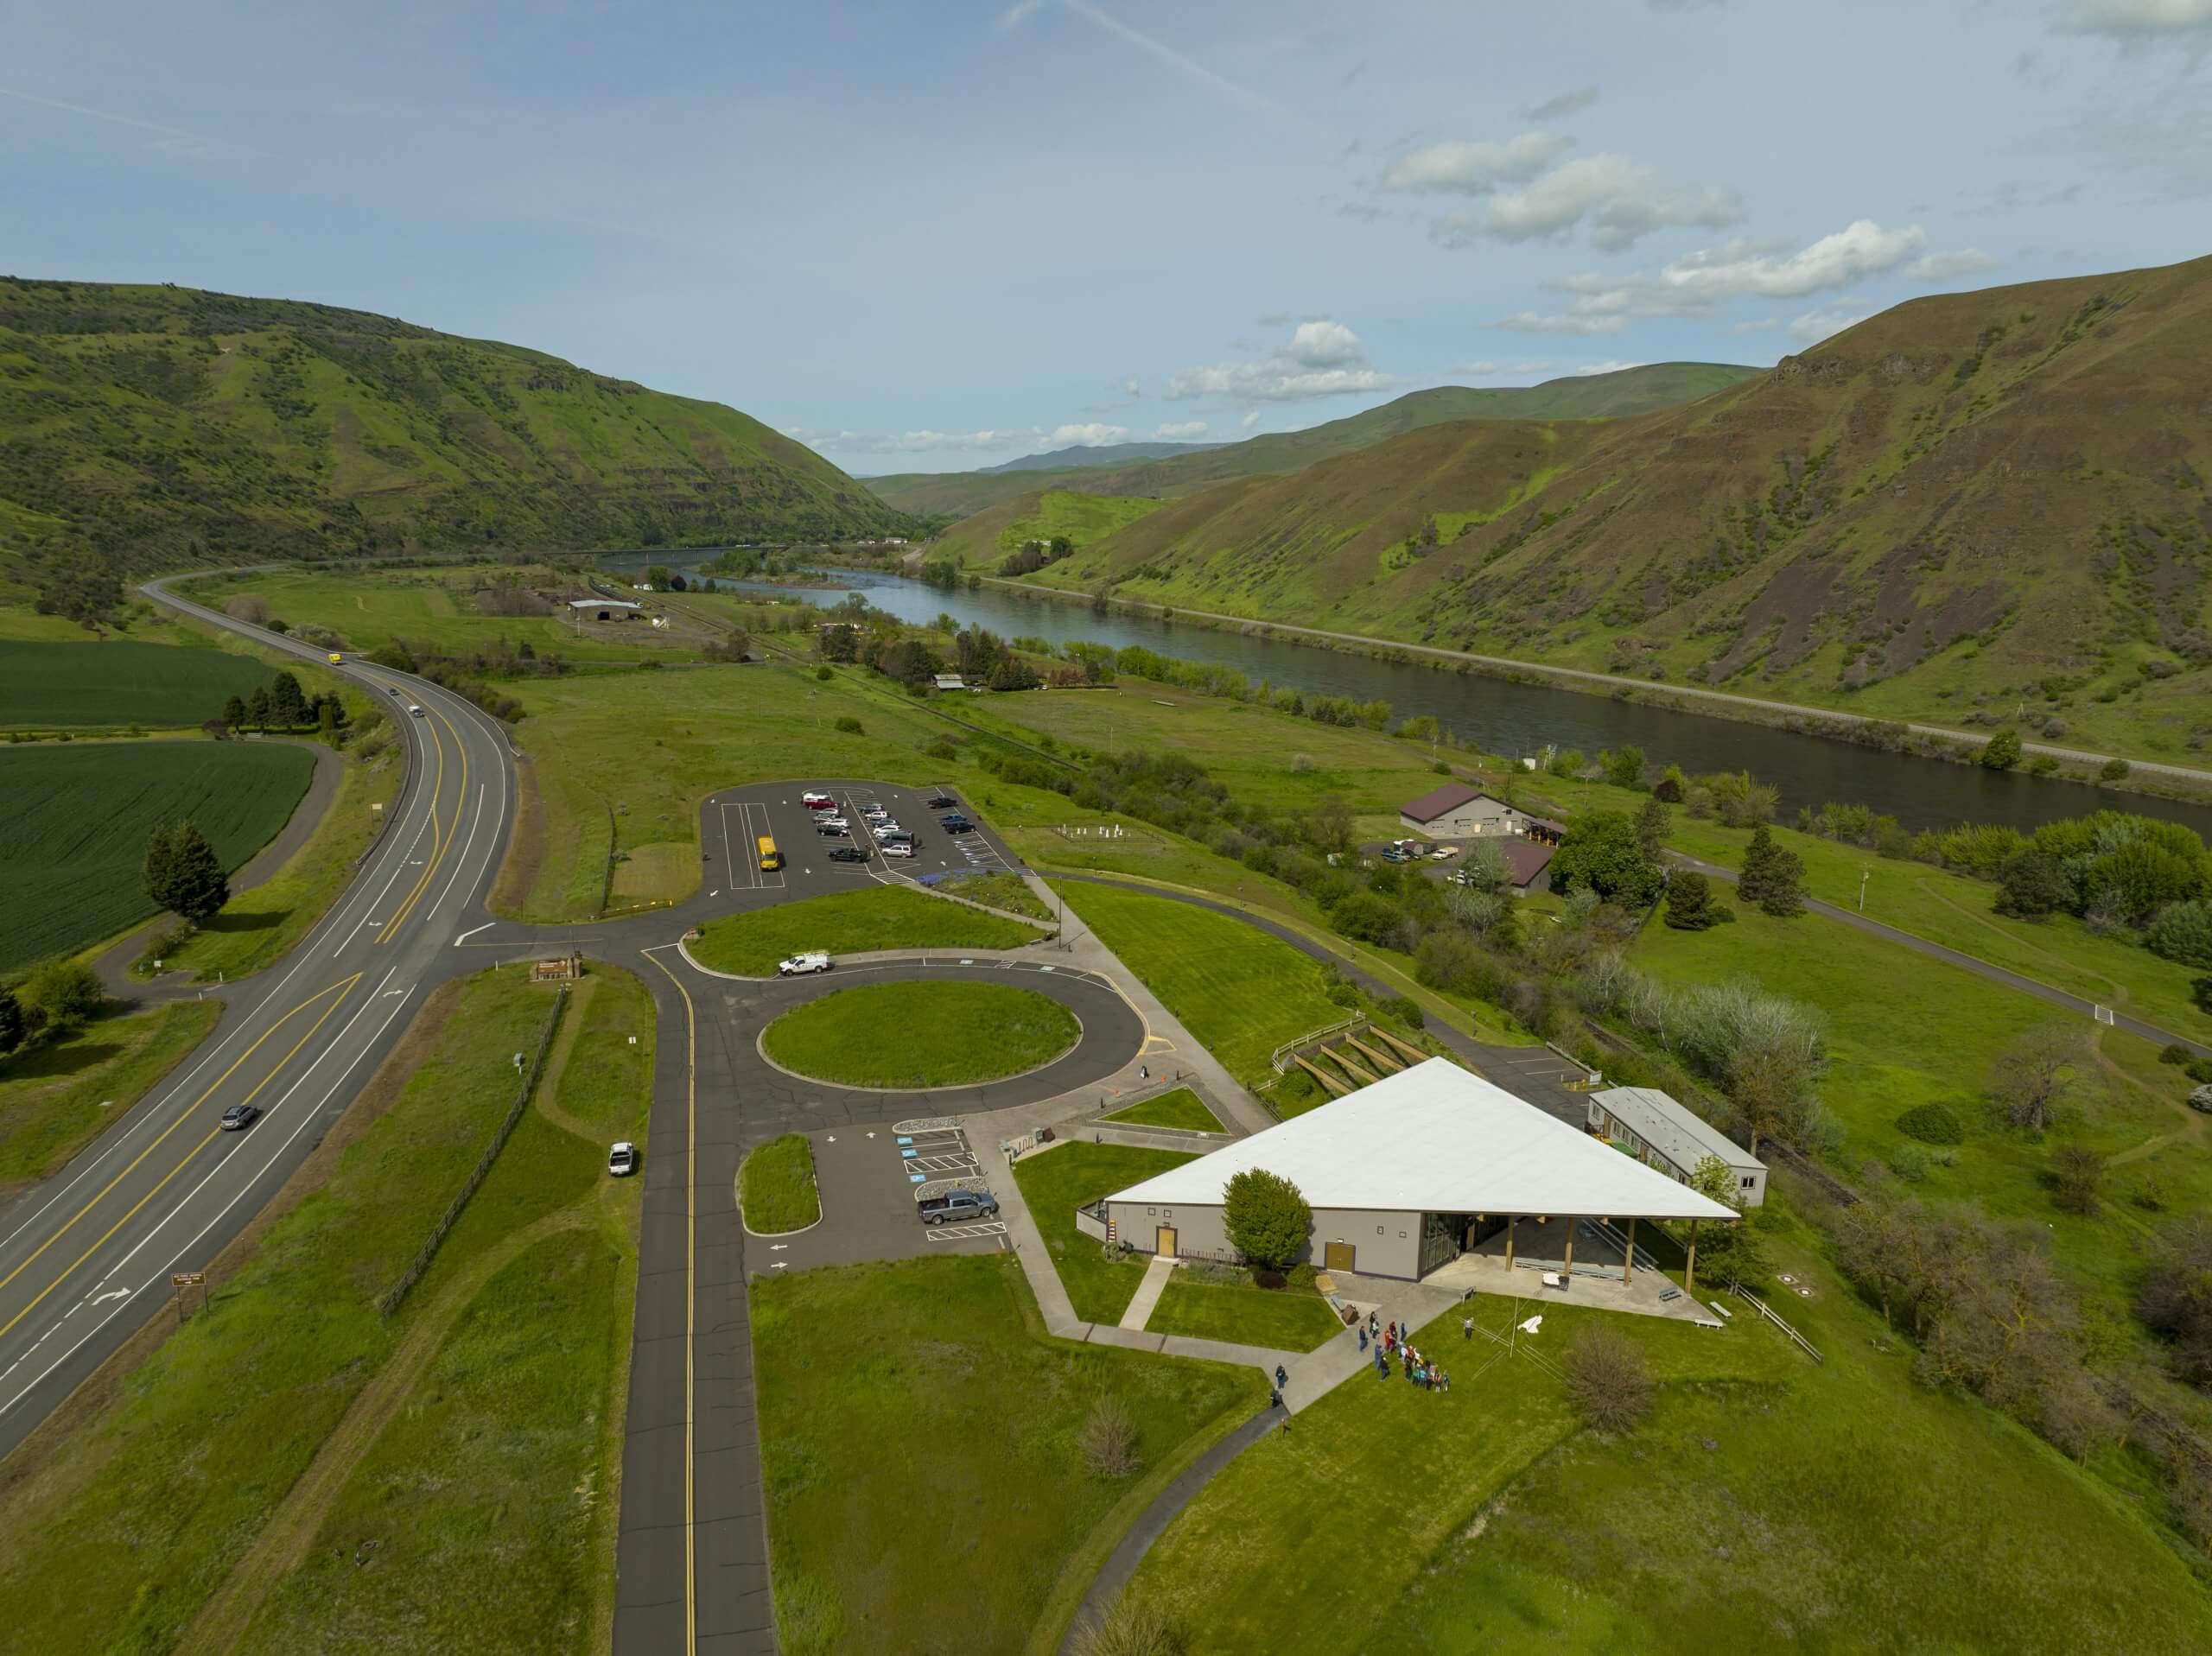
[1865, 869]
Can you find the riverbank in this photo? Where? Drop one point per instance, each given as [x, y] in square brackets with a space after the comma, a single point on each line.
[2147, 776]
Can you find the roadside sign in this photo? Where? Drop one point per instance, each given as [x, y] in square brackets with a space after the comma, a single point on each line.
[187, 1279]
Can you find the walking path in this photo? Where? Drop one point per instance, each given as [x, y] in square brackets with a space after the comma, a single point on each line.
[1980, 968]
[1148, 1294]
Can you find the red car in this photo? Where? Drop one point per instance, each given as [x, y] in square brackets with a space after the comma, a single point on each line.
[817, 801]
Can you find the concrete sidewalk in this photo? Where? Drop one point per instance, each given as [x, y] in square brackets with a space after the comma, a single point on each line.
[1148, 1294]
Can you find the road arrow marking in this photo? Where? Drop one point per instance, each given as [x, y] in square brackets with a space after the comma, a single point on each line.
[466, 936]
[116, 1293]
[778, 1247]
[779, 1265]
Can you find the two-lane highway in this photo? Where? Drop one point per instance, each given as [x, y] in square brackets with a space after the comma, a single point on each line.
[86, 1257]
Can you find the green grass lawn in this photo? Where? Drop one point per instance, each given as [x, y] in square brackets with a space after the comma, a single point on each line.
[118, 1543]
[1054, 1185]
[849, 922]
[1828, 1508]
[1903, 1030]
[115, 681]
[75, 820]
[1180, 1108]
[494, 1487]
[776, 1188]
[262, 926]
[920, 1034]
[1284, 1319]
[926, 1491]
[56, 1097]
[1240, 992]
[1007, 891]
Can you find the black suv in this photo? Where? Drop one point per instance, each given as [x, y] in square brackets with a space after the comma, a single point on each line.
[828, 832]
[846, 853]
[942, 802]
[954, 823]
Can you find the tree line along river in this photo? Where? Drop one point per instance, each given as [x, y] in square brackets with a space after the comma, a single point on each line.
[1509, 717]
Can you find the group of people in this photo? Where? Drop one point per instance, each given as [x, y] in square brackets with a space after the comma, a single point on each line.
[1389, 1343]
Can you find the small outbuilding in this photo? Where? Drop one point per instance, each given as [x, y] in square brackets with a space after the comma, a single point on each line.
[606, 609]
[1406, 1175]
[1662, 1132]
[1456, 811]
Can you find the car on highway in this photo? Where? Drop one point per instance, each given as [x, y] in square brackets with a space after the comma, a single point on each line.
[817, 801]
[898, 848]
[622, 1160]
[957, 1206]
[846, 853]
[240, 1117]
[800, 966]
[414, 709]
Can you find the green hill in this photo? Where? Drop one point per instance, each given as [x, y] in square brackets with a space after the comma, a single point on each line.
[159, 426]
[1039, 515]
[1584, 396]
[1995, 498]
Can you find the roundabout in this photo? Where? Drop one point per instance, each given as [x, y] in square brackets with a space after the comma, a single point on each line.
[918, 1035]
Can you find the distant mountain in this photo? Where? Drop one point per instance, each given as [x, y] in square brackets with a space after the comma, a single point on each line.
[1584, 396]
[1065, 459]
[158, 426]
[1996, 498]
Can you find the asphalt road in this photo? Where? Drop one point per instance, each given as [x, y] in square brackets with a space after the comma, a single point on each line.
[86, 1257]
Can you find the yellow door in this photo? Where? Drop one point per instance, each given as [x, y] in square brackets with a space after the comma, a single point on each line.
[1339, 1257]
[1166, 1248]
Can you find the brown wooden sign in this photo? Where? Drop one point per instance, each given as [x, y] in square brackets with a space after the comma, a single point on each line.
[189, 1279]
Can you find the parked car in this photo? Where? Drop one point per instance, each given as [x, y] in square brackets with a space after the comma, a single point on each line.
[942, 802]
[831, 831]
[1391, 853]
[622, 1160]
[873, 808]
[835, 821]
[240, 1117]
[896, 836]
[887, 825]
[957, 1206]
[800, 966]
[899, 849]
[817, 801]
[1444, 854]
[846, 853]
[955, 824]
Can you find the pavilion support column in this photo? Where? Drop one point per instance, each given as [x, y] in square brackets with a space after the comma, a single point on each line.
[1567, 1270]
[1628, 1260]
[1689, 1272]
[1508, 1247]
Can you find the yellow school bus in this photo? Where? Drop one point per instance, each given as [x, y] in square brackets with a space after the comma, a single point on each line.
[335, 658]
[771, 859]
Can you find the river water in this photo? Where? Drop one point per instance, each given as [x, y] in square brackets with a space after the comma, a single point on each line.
[1508, 718]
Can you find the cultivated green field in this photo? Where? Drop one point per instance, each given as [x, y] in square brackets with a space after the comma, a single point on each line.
[1240, 991]
[75, 819]
[845, 923]
[118, 682]
[920, 1034]
[879, 1382]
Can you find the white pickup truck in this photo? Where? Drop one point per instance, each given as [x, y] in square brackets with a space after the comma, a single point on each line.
[799, 965]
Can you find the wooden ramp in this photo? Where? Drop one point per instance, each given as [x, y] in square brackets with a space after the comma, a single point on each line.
[1337, 1088]
[1359, 1075]
[1382, 1061]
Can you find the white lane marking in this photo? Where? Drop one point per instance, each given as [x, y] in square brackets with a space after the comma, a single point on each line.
[475, 821]
[466, 936]
[220, 1166]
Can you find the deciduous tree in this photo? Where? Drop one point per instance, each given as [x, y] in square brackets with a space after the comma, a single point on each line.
[1601, 852]
[2035, 1074]
[1266, 1217]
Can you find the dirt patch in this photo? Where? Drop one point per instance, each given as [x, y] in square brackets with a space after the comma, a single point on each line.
[85, 1405]
[525, 855]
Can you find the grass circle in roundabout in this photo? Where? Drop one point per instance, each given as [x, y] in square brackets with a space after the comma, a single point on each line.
[927, 1034]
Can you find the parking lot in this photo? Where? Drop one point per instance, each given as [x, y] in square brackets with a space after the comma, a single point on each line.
[870, 1178]
[735, 820]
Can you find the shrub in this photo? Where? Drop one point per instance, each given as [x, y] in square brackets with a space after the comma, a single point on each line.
[941, 749]
[1607, 1381]
[2182, 932]
[1404, 1008]
[1911, 1164]
[66, 991]
[1131, 1627]
[1932, 1125]
[850, 725]
[1108, 1438]
[2077, 1175]
[823, 675]
[2198, 1070]
[1300, 1276]
[2114, 771]
[2174, 1052]
[2003, 750]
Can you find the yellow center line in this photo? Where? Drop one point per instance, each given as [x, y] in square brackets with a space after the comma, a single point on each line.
[183, 1116]
[440, 845]
[690, 1295]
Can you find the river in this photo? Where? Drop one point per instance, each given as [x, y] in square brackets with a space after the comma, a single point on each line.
[1502, 716]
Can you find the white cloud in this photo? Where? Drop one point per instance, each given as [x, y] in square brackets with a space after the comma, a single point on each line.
[1250, 419]
[1614, 366]
[1129, 386]
[1619, 200]
[1817, 325]
[1948, 267]
[1491, 369]
[2136, 19]
[1860, 248]
[1181, 431]
[1528, 321]
[929, 441]
[1087, 436]
[1567, 104]
[1322, 358]
[1465, 168]
[1014, 14]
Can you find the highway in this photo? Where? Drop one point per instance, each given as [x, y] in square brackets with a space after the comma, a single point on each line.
[86, 1257]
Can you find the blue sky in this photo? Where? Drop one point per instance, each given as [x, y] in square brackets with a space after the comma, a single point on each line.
[935, 236]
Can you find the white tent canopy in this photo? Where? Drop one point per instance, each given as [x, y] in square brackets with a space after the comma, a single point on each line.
[1434, 1139]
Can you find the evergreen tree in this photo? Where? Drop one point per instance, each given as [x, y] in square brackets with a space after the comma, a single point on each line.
[1773, 879]
[258, 710]
[11, 1023]
[195, 885]
[287, 706]
[1690, 906]
[158, 874]
[1652, 825]
[235, 712]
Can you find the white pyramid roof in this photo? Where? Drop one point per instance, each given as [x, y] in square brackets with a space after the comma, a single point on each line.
[1435, 1138]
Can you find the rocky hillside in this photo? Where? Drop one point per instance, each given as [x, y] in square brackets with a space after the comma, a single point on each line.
[156, 426]
[1969, 505]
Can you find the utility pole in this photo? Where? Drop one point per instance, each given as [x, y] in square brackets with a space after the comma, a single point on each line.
[1865, 869]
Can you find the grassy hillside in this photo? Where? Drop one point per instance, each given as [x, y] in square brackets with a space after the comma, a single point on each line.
[158, 426]
[1968, 502]
[1090, 454]
[1584, 396]
[1041, 514]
